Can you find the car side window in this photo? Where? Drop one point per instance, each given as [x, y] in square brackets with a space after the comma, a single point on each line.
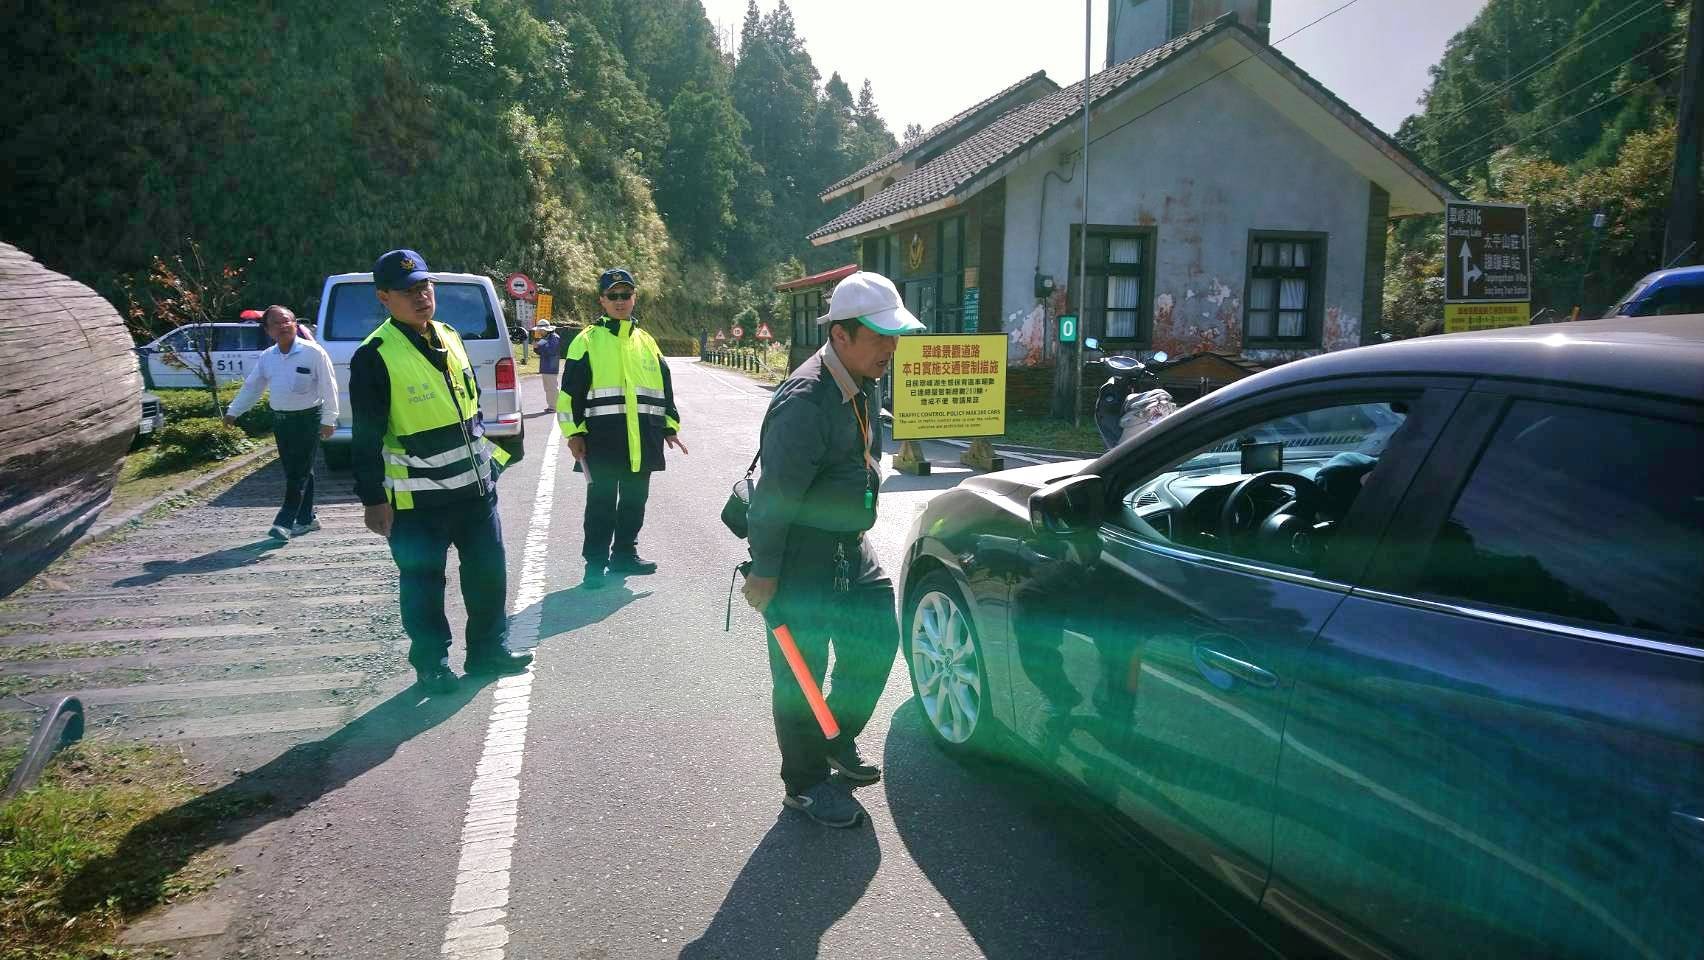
[1672, 299]
[245, 337]
[1583, 514]
[1273, 491]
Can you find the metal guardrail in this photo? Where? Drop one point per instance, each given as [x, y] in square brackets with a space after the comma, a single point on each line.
[735, 359]
[62, 727]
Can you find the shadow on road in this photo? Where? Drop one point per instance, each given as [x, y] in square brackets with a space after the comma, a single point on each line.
[136, 875]
[799, 881]
[574, 607]
[228, 559]
[944, 476]
[1028, 869]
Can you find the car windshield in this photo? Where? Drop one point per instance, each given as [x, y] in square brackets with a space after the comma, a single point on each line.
[1314, 435]
[355, 311]
[1621, 306]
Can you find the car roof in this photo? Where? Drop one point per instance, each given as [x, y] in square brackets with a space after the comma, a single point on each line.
[1651, 355]
[1673, 273]
[434, 274]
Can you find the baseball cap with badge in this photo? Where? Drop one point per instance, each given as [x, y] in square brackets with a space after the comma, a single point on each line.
[399, 270]
[613, 276]
[871, 299]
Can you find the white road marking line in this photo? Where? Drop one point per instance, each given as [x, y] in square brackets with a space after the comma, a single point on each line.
[477, 910]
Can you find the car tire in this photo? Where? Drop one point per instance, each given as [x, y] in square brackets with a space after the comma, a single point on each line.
[336, 455]
[944, 657]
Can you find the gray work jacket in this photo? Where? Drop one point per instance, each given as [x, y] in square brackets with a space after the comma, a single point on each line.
[816, 466]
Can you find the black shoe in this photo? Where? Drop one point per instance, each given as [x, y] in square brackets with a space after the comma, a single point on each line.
[436, 679]
[501, 663]
[848, 763]
[594, 577]
[634, 565]
[827, 804]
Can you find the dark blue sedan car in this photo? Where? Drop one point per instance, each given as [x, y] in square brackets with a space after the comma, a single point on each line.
[1403, 645]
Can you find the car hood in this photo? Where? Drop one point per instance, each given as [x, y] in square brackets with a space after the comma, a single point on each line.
[1019, 483]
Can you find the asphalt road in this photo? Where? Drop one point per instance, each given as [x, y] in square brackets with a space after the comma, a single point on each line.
[625, 802]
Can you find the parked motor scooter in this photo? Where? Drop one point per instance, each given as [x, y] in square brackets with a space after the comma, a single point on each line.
[1131, 400]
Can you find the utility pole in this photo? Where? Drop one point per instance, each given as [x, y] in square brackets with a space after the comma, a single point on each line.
[1083, 244]
[1682, 230]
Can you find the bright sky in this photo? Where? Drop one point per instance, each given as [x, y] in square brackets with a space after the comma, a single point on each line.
[929, 59]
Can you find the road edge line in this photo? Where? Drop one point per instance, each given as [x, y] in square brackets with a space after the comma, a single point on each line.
[478, 907]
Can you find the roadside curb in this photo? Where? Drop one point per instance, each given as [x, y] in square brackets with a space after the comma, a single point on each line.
[107, 525]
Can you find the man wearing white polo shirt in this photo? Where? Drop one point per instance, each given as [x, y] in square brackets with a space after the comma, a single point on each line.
[297, 374]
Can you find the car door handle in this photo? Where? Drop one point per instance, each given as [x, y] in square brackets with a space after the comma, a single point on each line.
[1206, 656]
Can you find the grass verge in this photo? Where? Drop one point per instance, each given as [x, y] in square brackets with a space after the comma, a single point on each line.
[1046, 432]
[137, 484]
[108, 832]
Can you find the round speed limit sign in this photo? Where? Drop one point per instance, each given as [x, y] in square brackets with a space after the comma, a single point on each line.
[738, 331]
[520, 286]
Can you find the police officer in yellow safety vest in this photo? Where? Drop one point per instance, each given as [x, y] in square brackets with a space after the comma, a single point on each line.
[427, 475]
[617, 410]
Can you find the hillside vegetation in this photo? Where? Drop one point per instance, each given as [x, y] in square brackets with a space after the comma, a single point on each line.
[1565, 105]
[552, 136]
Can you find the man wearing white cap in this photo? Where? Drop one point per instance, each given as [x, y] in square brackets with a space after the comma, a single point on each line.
[812, 567]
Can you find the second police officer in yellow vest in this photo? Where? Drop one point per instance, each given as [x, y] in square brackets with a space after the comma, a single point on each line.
[618, 412]
[427, 475]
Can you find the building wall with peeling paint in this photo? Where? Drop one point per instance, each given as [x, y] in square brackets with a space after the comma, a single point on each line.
[1203, 171]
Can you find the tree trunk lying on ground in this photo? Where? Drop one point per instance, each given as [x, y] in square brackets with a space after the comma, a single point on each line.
[70, 404]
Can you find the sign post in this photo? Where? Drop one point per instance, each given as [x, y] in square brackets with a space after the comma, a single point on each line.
[1487, 266]
[949, 385]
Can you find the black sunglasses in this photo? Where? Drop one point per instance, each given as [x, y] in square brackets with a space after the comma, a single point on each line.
[618, 297]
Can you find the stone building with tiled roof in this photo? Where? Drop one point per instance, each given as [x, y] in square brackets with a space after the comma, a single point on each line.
[1235, 205]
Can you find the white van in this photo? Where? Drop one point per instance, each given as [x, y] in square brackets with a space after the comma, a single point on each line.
[171, 361]
[349, 309]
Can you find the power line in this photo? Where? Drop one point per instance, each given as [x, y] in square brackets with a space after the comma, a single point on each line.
[1568, 93]
[1330, 13]
[1600, 32]
[1602, 103]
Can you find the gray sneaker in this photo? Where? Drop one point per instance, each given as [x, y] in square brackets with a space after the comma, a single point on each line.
[302, 528]
[827, 804]
[278, 532]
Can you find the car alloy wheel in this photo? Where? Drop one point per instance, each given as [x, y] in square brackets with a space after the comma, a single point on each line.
[945, 665]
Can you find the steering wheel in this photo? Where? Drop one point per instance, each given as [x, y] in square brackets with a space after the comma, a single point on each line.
[1294, 520]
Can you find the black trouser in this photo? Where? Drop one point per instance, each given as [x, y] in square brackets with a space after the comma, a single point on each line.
[861, 625]
[419, 542]
[615, 510]
[298, 435]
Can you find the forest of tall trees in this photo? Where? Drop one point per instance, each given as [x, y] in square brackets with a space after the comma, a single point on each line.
[1567, 106]
[554, 136]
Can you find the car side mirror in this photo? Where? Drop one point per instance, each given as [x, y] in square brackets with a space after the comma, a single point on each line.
[1073, 505]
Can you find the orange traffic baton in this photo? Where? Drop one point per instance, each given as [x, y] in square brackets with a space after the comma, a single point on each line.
[802, 673]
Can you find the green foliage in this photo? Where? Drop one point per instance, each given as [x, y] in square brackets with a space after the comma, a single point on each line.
[1564, 105]
[1569, 267]
[678, 346]
[554, 136]
[197, 440]
[180, 405]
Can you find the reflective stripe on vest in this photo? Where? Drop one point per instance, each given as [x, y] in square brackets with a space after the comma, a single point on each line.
[428, 443]
[627, 381]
